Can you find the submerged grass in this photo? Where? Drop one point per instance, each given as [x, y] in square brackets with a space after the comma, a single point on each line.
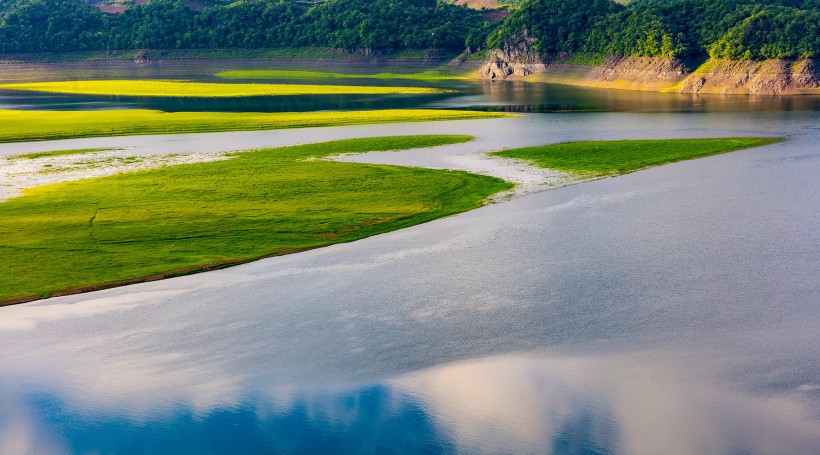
[296, 74]
[131, 227]
[603, 158]
[32, 156]
[185, 89]
[44, 125]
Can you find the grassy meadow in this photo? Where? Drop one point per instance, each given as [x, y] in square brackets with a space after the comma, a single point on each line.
[125, 228]
[185, 89]
[604, 158]
[44, 125]
[297, 74]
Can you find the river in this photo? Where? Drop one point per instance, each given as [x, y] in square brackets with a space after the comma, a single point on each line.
[674, 310]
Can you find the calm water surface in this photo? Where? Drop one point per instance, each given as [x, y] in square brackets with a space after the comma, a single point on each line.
[674, 310]
[502, 96]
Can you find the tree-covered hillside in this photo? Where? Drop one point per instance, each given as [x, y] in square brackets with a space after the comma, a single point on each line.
[377, 25]
[734, 29]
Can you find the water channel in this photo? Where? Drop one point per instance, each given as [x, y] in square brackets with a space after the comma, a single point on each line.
[674, 310]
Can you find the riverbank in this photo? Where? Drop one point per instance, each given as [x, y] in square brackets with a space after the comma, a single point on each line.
[109, 231]
[145, 56]
[657, 74]
[660, 74]
[118, 229]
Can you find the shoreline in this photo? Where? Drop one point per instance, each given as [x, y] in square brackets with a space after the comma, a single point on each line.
[662, 74]
[643, 74]
[527, 179]
[143, 56]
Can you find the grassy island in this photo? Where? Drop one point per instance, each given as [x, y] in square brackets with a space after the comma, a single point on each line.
[130, 227]
[185, 89]
[45, 125]
[297, 74]
[606, 158]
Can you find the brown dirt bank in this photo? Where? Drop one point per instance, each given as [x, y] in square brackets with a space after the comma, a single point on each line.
[660, 74]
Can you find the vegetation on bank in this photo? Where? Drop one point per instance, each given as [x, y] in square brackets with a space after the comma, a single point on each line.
[184, 89]
[296, 74]
[734, 29]
[182, 219]
[21, 126]
[605, 158]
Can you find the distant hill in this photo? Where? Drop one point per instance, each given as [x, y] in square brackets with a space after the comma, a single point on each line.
[593, 29]
[372, 26]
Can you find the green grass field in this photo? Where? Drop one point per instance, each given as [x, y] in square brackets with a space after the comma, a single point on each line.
[181, 219]
[44, 125]
[296, 74]
[603, 158]
[186, 89]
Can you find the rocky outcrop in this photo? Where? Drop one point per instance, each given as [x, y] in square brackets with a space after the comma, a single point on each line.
[641, 69]
[518, 59]
[637, 73]
[771, 77]
[806, 74]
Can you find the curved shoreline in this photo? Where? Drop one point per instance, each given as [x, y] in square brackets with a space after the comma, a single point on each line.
[187, 219]
[471, 157]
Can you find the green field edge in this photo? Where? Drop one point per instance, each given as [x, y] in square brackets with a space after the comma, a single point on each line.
[381, 228]
[487, 186]
[534, 155]
[190, 89]
[24, 126]
[304, 74]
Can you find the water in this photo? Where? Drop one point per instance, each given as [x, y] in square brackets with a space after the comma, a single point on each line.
[674, 310]
[513, 96]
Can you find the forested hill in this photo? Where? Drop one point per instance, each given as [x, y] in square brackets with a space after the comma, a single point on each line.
[733, 29]
[378, 25]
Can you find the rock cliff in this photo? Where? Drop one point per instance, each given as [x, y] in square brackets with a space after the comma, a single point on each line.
[519, 59]
[772, 77]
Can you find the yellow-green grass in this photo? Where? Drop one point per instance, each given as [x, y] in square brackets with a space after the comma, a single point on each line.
[187, 89]
[298, 74]
[44, 125]
[605, 158]
[103, 232]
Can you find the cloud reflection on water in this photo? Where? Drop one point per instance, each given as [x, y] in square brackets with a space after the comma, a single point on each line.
[526, 404]
[518, 404]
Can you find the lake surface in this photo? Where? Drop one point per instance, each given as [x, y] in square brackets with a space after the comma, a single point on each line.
[512, 96]
[674, 310]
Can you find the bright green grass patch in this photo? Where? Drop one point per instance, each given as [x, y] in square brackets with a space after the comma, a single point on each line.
[43, 125]
[123, 228]
[186, 89]
[31, 156]
[601, 158]
[288, 74]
